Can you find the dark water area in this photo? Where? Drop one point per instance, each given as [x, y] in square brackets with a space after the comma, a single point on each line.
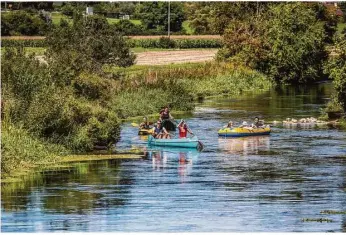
[253, 184]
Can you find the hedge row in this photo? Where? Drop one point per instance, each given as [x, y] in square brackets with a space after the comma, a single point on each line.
[145, 43]
[176, 43]
[24, 43]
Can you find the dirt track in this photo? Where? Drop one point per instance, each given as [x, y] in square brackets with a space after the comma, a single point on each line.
[174, 56]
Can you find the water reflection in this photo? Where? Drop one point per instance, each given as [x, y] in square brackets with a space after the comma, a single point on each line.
[245, 145]
[182, 158]
[69, 190]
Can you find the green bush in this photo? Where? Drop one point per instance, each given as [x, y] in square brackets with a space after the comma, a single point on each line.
[22, 23]
[55, 111]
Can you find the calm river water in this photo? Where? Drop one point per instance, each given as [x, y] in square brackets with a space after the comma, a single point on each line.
[267, 183]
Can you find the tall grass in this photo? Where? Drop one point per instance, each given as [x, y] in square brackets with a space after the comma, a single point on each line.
[20, 150]
[145, 90]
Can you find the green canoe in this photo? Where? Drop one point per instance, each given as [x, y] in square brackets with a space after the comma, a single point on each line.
[183, 143]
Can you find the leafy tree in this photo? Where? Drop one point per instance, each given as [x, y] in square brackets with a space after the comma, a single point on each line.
[336, 68]
[22, 23]
[154, 15]
[86, 46]
[127, 8]
[287, 43]
[342, 6]
[198, 14]
[69, 8]
[128, 28]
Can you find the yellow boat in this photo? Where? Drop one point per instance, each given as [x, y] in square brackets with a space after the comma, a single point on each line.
[240, 131]
[143, 131]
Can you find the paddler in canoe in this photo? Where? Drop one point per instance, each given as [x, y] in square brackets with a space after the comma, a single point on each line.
[145, 124]
[145, 127]
[159, 132]
[167, 119]
[183, 129]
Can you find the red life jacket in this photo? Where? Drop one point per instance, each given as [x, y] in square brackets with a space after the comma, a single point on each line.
[183, 132]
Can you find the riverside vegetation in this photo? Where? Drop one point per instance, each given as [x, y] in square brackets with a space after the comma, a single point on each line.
[75, 101]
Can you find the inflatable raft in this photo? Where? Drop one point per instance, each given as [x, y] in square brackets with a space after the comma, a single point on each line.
[240, 131]
[182, 143]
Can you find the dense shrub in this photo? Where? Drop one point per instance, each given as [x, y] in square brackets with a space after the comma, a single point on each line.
[22, 23]
[287, 43]
[164, 42]
[128, 28]
[57, 112]
[336, 68]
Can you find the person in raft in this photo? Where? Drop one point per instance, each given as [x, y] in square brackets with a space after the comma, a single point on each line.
[165, 114]
[258, 123]
[145, 124]
[229, 125]
[183, 129]
[160, 132]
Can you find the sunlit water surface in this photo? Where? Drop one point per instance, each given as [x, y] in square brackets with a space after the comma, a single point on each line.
[265, 183]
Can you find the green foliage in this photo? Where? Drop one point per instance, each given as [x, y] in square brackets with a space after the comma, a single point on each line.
[128, 28]
[199, 16]
[287, 43]
[71, 8]
[215, 17]
[61, 112]
[154, 15]
[336, 68]
[175, 43]
[87, 46]
[19, 149]
[296, 39]
[22, 23]
[145, 43]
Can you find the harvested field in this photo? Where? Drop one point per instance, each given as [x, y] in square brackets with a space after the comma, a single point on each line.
[174, 56]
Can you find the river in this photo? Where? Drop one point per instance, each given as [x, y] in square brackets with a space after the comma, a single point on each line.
[285, 182]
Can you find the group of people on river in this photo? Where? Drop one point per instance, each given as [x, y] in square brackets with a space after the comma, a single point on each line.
[159, 131]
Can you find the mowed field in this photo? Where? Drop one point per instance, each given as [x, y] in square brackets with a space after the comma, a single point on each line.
[175, 56]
